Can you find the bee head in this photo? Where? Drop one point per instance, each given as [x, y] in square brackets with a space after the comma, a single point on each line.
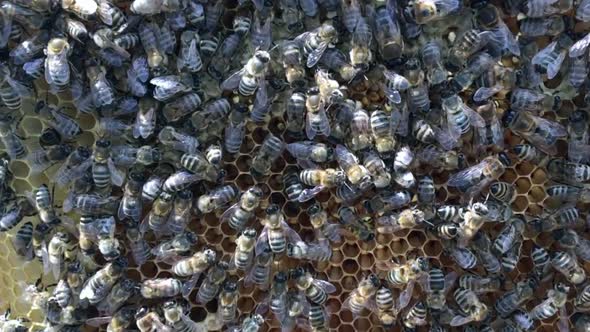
[272, 209]
[230, 286]
[281, 277]
[141, 312]
[578, 116]
[504, 159]
[256, 191]
[374, 280]
[249, 232]
[314, 209]
[296, 273]
[185, 194]
[210, 256]
[49, 137]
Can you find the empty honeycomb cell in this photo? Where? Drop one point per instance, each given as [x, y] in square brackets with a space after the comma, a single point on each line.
[21, 185]
[19, 169]
[275, 182]
[383, 239]
[416, 239]
[362, 324]
[278, 165]
[244, 181]
[366, 261]
[245, 304]
[231, 172]
[441, 194]
[86, 121]
[346, 328]
[243, 163]
[149, 270]
[85, 139]
[509, 176]
[350, 250]
[520, 203]
[212, 236]
[31, 126]
[350, 266]
[367, 246]
[399, 246]
[134, 274]
[291, 209]
[37, 180]
[277, 198]
[346, 316]
[323, 196]
[432, 248]
[534, 210]
[337, 257]
[349, 283]
[382, 254]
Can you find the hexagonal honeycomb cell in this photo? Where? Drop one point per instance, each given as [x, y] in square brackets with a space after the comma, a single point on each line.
[350, 261]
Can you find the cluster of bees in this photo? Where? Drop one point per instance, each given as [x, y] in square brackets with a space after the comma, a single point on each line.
[178, 87]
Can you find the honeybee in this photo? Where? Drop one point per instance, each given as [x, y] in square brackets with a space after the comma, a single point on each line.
[322, 228]
[175, 248]
[316, 120]
[470, 305]
[57, 67]
[252, 323]
[356, 225]
[464, 257]
[210, 286]
[387, 32]
[315, 43]
[276, 232]
[228, 302]
[387, 201]
[330, 92]
[416, 316]
[539, 132]
[120, 293]
[259, 273]
[562, 170]
[437, 284]
[160, 287]
[148, 320]
[320, 179]
[308, 151]
[193, 266]
[98, 286]
[315, 290]
[401, 165]
[247, 80]
[473, 218]
[405, 275]
[567, 264]
[555, 303]
[473, 179]
[460, 119]
[407, 219]
[217, 198]
[439, 158]
[482, 246]
[40, 160]
[479, 284]
[175, 314]
[271, 149]
[381, 128]
[377, 169]
[426, 11]
[514, 298]
[356, 173]
[243, 255]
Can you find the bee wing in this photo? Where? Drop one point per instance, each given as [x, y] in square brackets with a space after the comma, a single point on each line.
[309, 193]
[139, 67]
[316, 54]
[187, 287]
[484, 93]
[310, 132]
[231, 83]
[393, 95]
[229, 212]
[555, 129]
[70, 225]
[37, 161]
[460, 320]
[6, 28]
[104, 12]
[33, 66]
[466, 176]
[450, 280]
[400, 81]
[118, 177]
[405, 296]
[262, 242]
[542, 54]
[98, 321]
[562, 322]
[291, 235]
[261, 101]
[333, 232]
[580, 47]
[510, 43]
[475, 119]
[554, 66]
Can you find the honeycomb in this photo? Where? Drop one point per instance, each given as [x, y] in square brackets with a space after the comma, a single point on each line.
[351, 259]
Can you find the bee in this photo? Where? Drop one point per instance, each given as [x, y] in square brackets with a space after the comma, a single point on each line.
[482, 245]
[152, 188]
[121, 292]
[541, 261]
[438, 158]
[406, 219]
[176, 316]
[464, 257]
[104, 172]
[416, 316]
[179, 181]
[95, 205]
[360, 130]
[193, 266]
[139, 247]
[57, 67]
[213, 281]
[259, 273]
[12, 325]
[460, 118]
[131, 203]
[271, 149]
[353, 223]
[394, 84]
[147, 320]
[240, 213]
[377, 169]
[101, 89]
[60, 247]
[436, 285]
[314, 43]
[145, 121]
[581, 322]
[387, 32]
[356, 173]
[12, 143]
[217, 198]
[569, 239]
[252, 323]
[473, 179]
[278, 295]
[360, 53]
[555, 302]
[567, 265]
[147, 34]
[531, 100]
[426, 11]
[22, 241]
[431, 54]
[315, 290]
[405, 275]
[566, 171]
[473, 219]
[158, 215]
[247, 79]
[12, 91]
[467, 45]
[492, 133]
[508, 235]
[228, 302]
[292, 186]
[418, 99]
[582, 300]
[470, 305]
[316, 121]
[512, 256]
[276, 232]
[479, 284]
[44, 205]
[236, 129]
[200, 166]
[41, 160]
[445, 230]
[98, 286]
[62, 293]
[380, 128]
[387, 201]
[309, 151]
[189, 56]
[181, 212]
[176, 248]
[401, 165]
[160, 287]
[291, 57]
[426, 190]
[546, 26]
[295, 109]
[243, 255]
[73, 167]
[334, 60]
